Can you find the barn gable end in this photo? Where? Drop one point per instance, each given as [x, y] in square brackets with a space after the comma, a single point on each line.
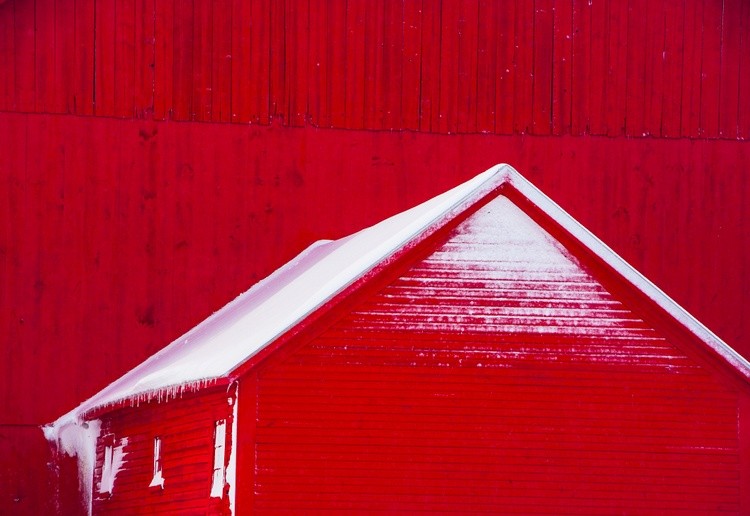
[495, 371]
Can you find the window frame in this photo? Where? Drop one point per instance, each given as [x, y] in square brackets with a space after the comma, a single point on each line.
[157, 480]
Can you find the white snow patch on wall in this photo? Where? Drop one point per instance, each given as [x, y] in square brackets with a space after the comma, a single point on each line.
[78, 439]
[218, 480]
[158, 480]
[109, 471]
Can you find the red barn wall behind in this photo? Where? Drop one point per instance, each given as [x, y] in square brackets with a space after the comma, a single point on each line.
[160, 157]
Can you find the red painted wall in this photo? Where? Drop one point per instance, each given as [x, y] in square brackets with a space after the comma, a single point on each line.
[186, 427]
[662, 68]
[428, 393]
[120, 229]
[109, 255]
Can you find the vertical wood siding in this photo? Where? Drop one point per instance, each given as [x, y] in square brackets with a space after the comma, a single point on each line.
[639, 68]
[107, 256]
[497, 374]
[186, 427]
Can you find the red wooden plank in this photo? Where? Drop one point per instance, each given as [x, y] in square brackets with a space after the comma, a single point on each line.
[355, 64]
[562, 68]
[104, 61]
[45, 55]
[729, 78]
[506, 69]
[279, 73]
[6, 228]
[654, 66]
[24, 57]
[17, 230]
[83, 61]
[44, 51]
[544, 38]
[673, 69]
[710, 69]
[429, 105]
[73, 231]
[261, 46]
[635, 98]
[375, 95]
[182, 64]
[99, 216]
[744, 438]
[411, 64]
[246, 419]
[393, 55]
[144, 54]
[597, 74]
[297, 55]
[370, 45]
[124, 84]
[242, 77]
[691, 75]
[337, 53]
[316, 93]
[202, 53]
[221, 81]
[486, 65]
[743, 117]
[163, 54]
[524, 71]
[64, 48]
[449, 41]
[617, 40]
[7, 57]
[580, 109]
[468, 25]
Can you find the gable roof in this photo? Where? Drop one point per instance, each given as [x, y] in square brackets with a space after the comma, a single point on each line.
[238, 331]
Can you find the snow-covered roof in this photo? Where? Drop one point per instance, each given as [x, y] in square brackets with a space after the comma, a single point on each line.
[238, 331]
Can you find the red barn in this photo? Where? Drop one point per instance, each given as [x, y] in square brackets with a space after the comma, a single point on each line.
[479, 352]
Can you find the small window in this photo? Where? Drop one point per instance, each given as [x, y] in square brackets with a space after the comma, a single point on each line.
[158, 478]
[217, 483]
[107, 470]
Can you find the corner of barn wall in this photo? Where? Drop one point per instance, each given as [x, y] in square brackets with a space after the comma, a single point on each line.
[744, 436]
[244, 457]
[37, 477]
[65, 485]
[72, 453]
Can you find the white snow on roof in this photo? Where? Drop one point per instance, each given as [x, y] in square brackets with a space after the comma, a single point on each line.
[257, 317]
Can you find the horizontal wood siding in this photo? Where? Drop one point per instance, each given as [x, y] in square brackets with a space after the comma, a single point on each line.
[662, 68]
[495, 375]
[186, 427]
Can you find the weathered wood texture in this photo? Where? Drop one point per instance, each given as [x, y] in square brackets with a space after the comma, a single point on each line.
[118, 232]
[661, 68]
[186, 428]
[117, 236]
[499, 371]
